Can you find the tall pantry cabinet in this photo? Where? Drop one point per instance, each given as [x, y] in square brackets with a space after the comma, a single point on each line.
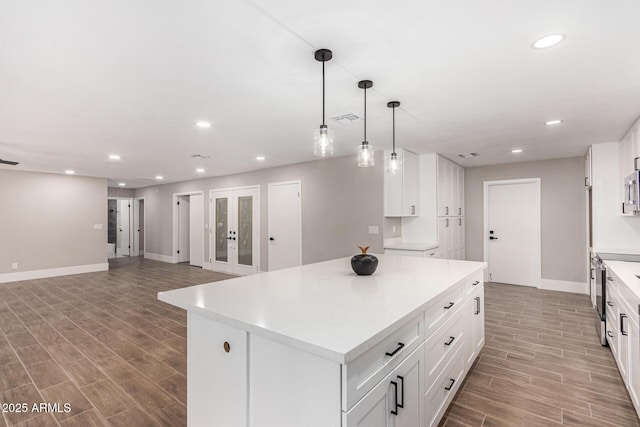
[450, 207]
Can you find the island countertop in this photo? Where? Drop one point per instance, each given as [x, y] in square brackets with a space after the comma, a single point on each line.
[325, 308]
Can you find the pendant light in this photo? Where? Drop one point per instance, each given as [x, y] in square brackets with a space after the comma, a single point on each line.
[323, 137]
[365, 155]
[394, 165]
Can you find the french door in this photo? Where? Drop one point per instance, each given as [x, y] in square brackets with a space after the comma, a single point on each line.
[234, 218]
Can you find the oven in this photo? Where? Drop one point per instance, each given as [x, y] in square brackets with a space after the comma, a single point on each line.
[600, 272]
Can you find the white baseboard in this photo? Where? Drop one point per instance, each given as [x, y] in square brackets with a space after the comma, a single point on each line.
[52, 272]
[565, 286]
[158, 257]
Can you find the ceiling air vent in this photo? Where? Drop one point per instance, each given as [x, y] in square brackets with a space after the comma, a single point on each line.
[8, 162]
[200, 156]
[346, 118]
[467, 155]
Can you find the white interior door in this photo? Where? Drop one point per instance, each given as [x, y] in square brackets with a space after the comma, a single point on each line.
[514, 232]
[124, 227]
[135, 232]
[285, 225]
[183, 228]
[234, 216]
[196, 230]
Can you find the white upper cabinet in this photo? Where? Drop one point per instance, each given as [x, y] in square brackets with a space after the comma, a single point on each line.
[630, 151]
[402, 190]
[450, 188]
[587, 168]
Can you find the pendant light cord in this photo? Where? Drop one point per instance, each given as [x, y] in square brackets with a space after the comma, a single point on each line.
[323, 93]
[394, 130]
[365, 116]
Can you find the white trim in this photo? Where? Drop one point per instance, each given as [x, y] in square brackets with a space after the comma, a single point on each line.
[174, 199]
[565, 286]
[486, 185]
[158, 257]
[53, 272]
[275, 184]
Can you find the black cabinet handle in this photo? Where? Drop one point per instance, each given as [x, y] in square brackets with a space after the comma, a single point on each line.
[395, 392]
[451, 339]
[449, 306]
[393, 353]
[398, 404]
[622, 317]
[477, 299]
[477, 282]
[609, 303]
[585, 181]
[635, 163]
[450, 385]
[610, 334]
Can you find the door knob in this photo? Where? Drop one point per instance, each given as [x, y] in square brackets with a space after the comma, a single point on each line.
[272, 239]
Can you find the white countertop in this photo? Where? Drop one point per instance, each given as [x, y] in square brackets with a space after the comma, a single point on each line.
[626, 271]
[410, 246]
[325, 308]
[623, 251]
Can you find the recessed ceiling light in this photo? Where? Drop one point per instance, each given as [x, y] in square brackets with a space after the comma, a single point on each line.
[200, 170]
[122, 184]
[159, 177]
[553, 122]
[260, 158]
[69, 172]
[548, 41]
[204, 125]
[518, 150]
[114, 157]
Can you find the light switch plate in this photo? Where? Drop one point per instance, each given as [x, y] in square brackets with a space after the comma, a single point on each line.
[374, 229]
[97, 226]
[14, 265]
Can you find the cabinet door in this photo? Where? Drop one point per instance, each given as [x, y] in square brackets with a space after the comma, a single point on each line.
[459, 224]
[633, 384]
[474, 325]
[444, 186]
[395, 401]
[221, 391]
[444, 235]
[459, 191]
[623, 342]
[410, 183]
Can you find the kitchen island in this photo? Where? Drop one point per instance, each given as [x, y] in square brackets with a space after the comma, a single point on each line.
[318, 345]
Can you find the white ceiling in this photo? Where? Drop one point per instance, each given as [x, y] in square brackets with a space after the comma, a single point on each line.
[83, 79]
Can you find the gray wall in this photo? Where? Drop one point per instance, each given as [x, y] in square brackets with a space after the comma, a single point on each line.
[339, 202]
[121, 192]
[47, 221]
[563, 204]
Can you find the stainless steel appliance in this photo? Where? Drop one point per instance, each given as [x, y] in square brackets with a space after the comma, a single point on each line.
[631, 202]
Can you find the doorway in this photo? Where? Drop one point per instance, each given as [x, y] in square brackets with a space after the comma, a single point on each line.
[512, 243]
[188, 228]
[285, 225]
[119, 227]
[234, 215]
[138, 227]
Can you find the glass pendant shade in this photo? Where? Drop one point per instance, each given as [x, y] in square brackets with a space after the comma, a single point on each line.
[394, 165]
[365, 155]
[323, 142]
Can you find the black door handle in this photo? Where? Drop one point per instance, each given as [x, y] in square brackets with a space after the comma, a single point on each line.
[493, 238]
[401, 405]
[272, 239]
[395, 392]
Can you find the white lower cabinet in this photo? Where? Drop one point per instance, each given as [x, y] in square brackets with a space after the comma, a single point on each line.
[395, 401]
[474, 325]
[634, 362]
[438, 397]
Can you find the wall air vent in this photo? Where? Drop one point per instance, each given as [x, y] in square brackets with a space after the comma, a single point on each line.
[346, 118]
[467, 155]
[8, 162]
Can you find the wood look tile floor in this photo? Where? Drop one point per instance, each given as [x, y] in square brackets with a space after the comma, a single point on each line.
[542, 365]
[103, 343]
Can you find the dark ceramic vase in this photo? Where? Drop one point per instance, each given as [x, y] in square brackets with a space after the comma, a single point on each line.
[364, 264]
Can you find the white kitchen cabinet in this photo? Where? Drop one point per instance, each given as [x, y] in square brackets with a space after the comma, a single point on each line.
[402, 190]
[459, 191]
[221, 391]
[474, 324]
[634, 361]
[587, 168]
[395, 401]
[450, 191]
[451, 237]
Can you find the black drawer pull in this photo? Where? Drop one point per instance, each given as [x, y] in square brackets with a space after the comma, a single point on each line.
[610, 334]
[393, 353]
[401, 405]
[395, 392]
[622, 317]
[477, 282]
[450, 341]
[449, 306]
[450, 385]
[609, 303]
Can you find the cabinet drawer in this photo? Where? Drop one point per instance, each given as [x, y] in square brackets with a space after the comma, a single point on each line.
[404, 252]
[444, 388]
[473, 283]
[441, 345]
[443, 308]
[362, 374]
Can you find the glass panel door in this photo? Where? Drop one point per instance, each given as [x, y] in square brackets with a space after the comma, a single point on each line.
[245, 230]
[221, 229]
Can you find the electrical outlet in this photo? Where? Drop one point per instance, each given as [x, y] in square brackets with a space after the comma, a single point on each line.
[374, 229]
[14, 265]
